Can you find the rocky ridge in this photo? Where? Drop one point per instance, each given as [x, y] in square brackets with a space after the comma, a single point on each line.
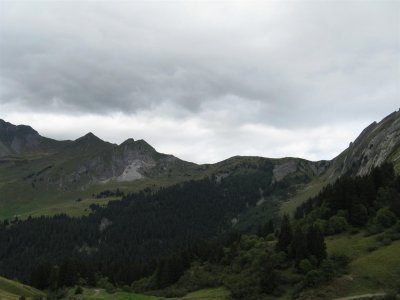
[371, 148]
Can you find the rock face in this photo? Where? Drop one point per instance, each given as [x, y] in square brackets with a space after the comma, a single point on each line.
[17, 139]
[371, 148]
[66, 165]
[281, 171]
[91, 160]
[79, 163]
[22, 140]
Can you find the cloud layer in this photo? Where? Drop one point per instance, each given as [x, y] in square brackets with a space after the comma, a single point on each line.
[219, 78]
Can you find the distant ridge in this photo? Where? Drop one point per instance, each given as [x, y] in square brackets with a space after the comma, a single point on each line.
[36, 170]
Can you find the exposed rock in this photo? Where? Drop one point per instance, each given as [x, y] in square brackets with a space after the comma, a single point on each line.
[220, 176]
[371, 148]
[281, 171]
[132, 171]
[22, 139]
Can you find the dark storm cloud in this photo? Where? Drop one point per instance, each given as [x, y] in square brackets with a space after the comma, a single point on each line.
[287, 63]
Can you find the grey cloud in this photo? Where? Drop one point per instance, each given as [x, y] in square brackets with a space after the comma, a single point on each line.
[282, 64]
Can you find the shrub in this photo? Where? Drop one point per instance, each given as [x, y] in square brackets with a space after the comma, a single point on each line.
[270, 237]
[107, 285]
[328, 269]
[78, 290]
[127, 288]
[385, 217]
[338, 224]
[373, 228]
[340, 260]
[313, 278]
[305, 266]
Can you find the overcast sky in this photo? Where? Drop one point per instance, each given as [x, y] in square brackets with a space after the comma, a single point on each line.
[202, 80]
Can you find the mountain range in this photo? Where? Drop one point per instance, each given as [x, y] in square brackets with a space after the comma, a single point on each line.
[39, 175]
[88, 216]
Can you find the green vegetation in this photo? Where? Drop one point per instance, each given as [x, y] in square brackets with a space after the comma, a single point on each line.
[10, 290]
[101, 294]
[208, 294]
[374, 266]
[310, 190]
[244, 228]
[333, 237]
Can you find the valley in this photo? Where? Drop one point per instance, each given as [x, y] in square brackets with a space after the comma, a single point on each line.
[95, 220]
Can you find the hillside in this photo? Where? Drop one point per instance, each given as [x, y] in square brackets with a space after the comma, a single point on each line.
[377, 143]
[12, 290]
[40, 176]
[170, 228]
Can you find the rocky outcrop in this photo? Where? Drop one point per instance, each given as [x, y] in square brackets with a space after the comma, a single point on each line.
[90, 160]
[371, 148]
[17, 139]
[22, 139]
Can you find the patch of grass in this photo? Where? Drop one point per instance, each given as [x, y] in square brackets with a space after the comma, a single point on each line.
[369, 271]
[208, 294]
[351, 245]
[10, 289]
[100, 294]
[310, 190]
[378, 270]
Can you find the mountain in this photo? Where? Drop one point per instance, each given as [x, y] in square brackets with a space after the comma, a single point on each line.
[36, 172]
[22, 139]
[44, 176]
[179, 227]
[376, 144]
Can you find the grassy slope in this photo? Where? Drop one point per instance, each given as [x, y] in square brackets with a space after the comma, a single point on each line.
[369, 271]
[99, 294]
[10, 290]
[314, 187]
[310, 190]
[18, 196]
[208, 294]
[47, 201]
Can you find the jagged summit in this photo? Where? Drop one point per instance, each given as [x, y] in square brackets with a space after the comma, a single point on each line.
[128, 141]
[11, 129]
[89, 137]
[17, 139]
[375, 144]
[49, 167]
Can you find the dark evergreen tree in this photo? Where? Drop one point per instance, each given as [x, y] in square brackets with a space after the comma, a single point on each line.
[358, 214]
[265, 229]
[269, 279]
[298, 248]
[285, 235]
[316, 243]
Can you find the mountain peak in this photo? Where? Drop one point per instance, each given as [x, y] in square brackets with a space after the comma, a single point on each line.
[11, 129]
[17, 139]
[371, 148]
[89, 137]
[139, 144]
[129, 141]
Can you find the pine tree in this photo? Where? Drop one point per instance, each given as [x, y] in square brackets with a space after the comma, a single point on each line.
[285, 235]
[298, 248]
[316, 243]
